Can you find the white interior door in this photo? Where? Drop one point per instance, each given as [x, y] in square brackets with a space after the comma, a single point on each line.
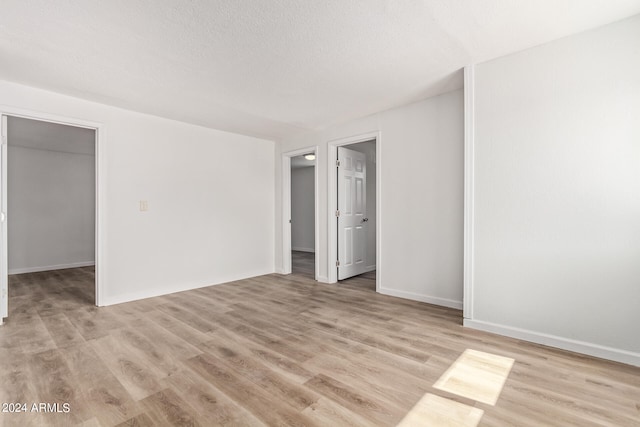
[4, 278]
[352, 212]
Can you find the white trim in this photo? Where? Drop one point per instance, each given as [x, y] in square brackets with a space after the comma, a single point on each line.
[101, 209]
[379, 281]
[582, 347]
[286, 209]
[311, 250]
[51, 267]
[46, 117]
[422, 298]
[4, 258]
[369, 268]
[285, 268]
[469, 189]
[332, 203]
[101, 182]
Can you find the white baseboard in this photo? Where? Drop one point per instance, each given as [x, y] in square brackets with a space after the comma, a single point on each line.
[150, 293]
[422, 298]
[369, 268]
[323, 279]
[312, 250]
[51, 267]
[583, 347]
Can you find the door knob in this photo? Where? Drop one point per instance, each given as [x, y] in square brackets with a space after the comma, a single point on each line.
[365, 219]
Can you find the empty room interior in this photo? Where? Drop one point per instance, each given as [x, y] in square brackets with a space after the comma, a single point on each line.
[380, 213]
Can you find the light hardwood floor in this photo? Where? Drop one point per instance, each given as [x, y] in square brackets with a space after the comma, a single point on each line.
[277, 350]
[303, 265]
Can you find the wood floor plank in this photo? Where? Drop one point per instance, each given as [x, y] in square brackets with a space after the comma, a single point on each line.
[189, 334]
[278, 342]
[31, 334]
[586, 410]
[62, 331]
[105, 396]
[477, 375]
[245, 364]
[328, 413]
[254, 399]
[142, 420]
[226, 343]
[185, 315]
[92, 323]
[17, 387]
[138, 378]
[165, 342]
[162, 363]
[386, 385]
[55, 384]
[167, 408]
[277, 350]
[355, 400]
[374, 340]
[211, 403]
[92, 422]
[199, 303]
[433, 410]
[401, 366]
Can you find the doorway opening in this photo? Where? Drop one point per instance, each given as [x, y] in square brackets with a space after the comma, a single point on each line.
[354, 211]
[300, 254]
[49, 215]
[303, 215]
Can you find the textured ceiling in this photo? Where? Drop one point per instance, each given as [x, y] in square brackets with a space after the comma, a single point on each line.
[273, 68]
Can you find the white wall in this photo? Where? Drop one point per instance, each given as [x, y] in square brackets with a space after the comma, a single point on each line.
[51, 200]
[210, 193]
[302, 209]
[557, 193]
[421, 164]
[369, 150]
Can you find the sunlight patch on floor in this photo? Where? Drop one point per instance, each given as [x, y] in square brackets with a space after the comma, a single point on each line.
[476, 375]
[437, 411]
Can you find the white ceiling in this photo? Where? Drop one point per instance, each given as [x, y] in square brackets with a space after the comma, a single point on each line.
[273, 68]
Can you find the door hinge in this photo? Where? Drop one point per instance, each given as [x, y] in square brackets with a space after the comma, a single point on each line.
[337, 163]
[338, 263]
[337, 213]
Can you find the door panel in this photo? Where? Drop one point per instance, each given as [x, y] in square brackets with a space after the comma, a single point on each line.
[352, 202]
[348, 237]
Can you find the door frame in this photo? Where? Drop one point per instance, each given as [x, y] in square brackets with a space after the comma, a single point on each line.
[100, 198]
[286, 208]
[332, 202]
